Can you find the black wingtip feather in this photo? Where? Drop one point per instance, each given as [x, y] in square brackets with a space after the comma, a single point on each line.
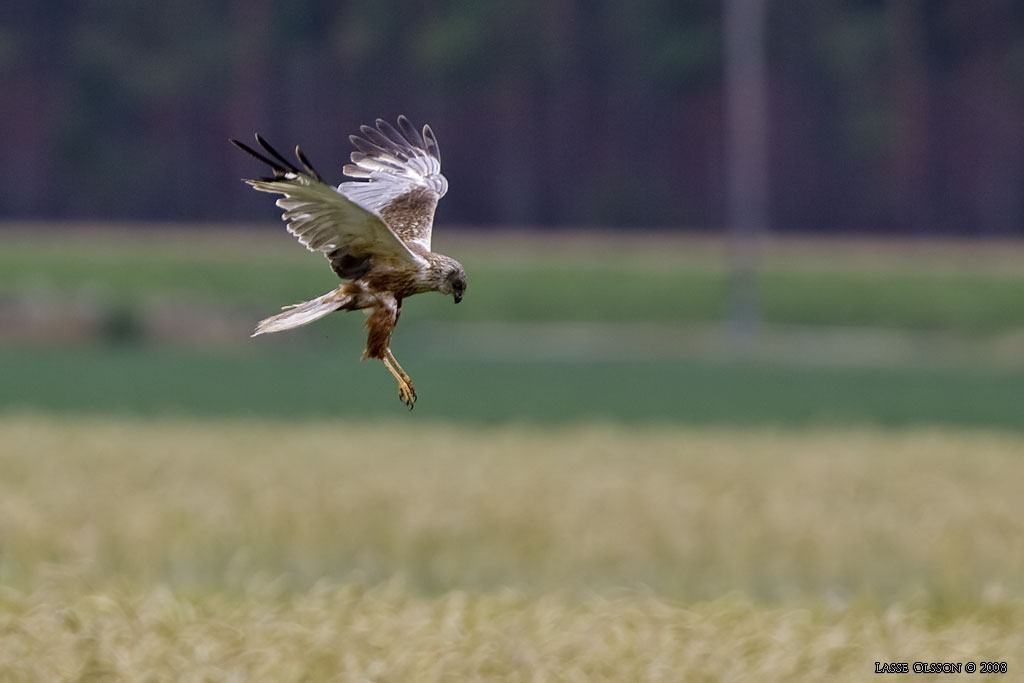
[305, 162]
[278, 169]
[276, 161]
[277, 155]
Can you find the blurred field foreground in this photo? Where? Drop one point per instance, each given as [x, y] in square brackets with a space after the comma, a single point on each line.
[255, 550]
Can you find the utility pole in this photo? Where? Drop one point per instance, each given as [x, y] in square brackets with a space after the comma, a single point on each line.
[746, 160]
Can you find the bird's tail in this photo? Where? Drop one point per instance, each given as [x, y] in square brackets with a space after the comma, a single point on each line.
[304, 313]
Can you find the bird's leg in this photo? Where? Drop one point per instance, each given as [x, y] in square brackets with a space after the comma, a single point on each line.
[406, 391]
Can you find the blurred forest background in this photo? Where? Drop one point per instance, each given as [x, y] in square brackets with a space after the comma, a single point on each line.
[883, 115]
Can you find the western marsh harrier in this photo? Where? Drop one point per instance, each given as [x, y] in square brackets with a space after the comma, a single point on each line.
[375, 231]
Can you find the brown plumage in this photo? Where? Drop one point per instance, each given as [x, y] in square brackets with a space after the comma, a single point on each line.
[375, 231]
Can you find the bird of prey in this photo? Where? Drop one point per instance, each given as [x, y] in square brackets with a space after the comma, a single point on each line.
[374, 230]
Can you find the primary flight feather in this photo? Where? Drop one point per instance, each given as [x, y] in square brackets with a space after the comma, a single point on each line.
[374, 230]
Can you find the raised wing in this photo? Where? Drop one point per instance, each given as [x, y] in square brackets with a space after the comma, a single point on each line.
[402, 181]
[324, 219]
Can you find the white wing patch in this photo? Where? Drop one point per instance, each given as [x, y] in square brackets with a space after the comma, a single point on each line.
[392, 164]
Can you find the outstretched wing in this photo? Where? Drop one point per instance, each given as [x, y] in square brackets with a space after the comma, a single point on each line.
[324, 219]
[403, 181]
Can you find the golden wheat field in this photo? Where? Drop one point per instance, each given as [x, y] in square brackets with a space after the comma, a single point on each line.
[170, 550]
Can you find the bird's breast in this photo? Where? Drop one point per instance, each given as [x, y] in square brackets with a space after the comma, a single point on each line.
[400, 282]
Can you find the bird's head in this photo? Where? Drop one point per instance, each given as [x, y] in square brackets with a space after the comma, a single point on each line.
[451, 278]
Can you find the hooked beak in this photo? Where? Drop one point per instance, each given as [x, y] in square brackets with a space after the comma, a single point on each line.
[457, 296]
